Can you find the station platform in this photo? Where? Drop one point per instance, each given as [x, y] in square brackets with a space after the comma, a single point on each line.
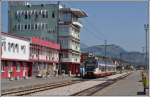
[7, 84]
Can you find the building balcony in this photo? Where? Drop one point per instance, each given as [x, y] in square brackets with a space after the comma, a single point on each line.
[73, 21]
[77, 22]
[75, 60]
[72, 47]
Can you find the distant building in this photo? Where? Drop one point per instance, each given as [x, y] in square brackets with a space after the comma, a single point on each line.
[25, 57]
[51, 23]
[40, 24]
[69, 37]
[44, 56]
[38, 21]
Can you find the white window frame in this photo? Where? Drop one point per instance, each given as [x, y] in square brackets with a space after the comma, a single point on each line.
[27, 12]
[45, 12]
[38, 26]
[34, 12]
[31, 12]
[17, 12]
[41, 12]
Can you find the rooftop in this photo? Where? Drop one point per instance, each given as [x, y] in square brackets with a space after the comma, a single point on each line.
[79, 13]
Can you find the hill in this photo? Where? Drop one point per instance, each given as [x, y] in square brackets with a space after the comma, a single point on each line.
[116, 51]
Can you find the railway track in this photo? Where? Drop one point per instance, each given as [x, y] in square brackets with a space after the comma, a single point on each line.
[36, 88]
[94, 89]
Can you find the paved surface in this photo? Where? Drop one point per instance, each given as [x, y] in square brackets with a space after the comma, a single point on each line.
[69, 90]
[6, 84]
[74, 88]
[130, 86]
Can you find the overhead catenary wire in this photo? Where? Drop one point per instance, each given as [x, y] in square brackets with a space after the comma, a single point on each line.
[91, 24]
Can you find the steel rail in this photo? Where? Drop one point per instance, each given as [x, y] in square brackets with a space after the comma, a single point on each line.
[37, 88]
[94, 89]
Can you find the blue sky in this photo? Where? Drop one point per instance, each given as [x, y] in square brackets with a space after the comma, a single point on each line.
[120, 23]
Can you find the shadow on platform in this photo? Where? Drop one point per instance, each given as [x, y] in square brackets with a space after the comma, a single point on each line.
[141, 93]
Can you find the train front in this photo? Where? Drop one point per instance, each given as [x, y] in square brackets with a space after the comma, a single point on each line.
[90, 67]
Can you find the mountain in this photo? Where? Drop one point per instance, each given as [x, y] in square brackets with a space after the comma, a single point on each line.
[116, 51]
[134, 57]
[111, 50]
[82, 46]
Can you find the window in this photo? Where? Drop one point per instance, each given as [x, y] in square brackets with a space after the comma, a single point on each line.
[35, 26]
[65, 55]
[36, 14]
[18, 67]
[18, 26]
[9, 47]
[25, 26]
[2, 67]
[42, 25]
[29, 26]
[10, 67]
[43, 14]
[12, 46]
[32, 26]
[17, 13]
[4, 45]
[31, 12]
[17, 47]
[40, 12]
[53, 14]
[46, 14]
[38, 26]
[25, 16]
[67, 17]
[23, 48]
[46, 26]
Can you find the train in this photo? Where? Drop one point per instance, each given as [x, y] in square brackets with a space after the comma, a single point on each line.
[95, 68]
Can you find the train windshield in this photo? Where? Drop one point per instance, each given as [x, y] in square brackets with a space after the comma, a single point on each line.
[90, 68]
[90, 65]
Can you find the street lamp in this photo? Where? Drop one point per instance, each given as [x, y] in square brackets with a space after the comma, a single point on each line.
[146, 27]
[105, 53]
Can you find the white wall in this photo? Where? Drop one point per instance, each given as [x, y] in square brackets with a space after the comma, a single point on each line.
[10, 54]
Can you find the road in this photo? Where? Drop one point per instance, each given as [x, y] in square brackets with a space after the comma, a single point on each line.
[130, 86]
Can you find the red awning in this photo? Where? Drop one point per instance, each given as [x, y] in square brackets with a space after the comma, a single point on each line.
[45, 43]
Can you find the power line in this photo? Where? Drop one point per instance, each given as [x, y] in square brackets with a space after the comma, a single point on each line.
[95, 28]
[93, 34]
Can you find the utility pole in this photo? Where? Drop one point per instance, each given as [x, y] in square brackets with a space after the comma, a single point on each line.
[105, 52]
[146, 26]
[120, 62]
[143, 51]
[58, 40]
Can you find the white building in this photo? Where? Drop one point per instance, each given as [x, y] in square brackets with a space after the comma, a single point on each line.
[69, 37]
[14, 56]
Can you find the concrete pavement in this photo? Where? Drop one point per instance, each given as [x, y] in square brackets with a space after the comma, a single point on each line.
[6, 84]
[130, 86]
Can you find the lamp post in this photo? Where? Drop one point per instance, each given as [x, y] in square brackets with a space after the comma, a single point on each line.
[105, 53]
[58, 40]
[146, 27]
[120, 63]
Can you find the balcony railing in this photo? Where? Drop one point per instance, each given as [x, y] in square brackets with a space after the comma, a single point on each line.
[76, 20]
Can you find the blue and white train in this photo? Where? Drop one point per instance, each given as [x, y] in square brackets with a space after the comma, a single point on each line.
[93, 68]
